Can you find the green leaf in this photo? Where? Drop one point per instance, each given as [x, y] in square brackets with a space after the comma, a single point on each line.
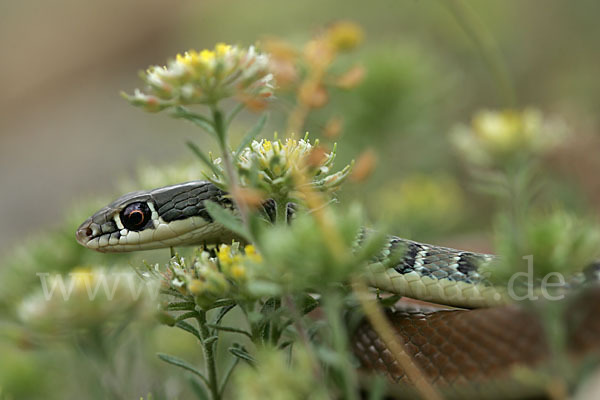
[373, 244]
[264, 288]
[221, 303]
[196, 150]
[271, 304]
[389, 301]
[188, 328]
[330, 357]
[198, 389]
[251, 134]
[171, 292]
[227, 375]
[285, 344]
[268, 310]
[240, 352]
[306, 303]
[181, 306]
[196, 119]
[236, 110]
[226, 218]
[178, 362]
[378, 386]
[229, 329]
[210, 340]
[187, 315]
[222, 312]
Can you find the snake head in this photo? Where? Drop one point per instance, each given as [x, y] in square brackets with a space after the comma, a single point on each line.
[165, 217]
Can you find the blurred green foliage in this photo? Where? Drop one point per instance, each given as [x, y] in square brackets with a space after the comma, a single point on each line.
[423, 78]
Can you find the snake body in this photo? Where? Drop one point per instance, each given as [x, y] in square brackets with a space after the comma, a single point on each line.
[451, 346]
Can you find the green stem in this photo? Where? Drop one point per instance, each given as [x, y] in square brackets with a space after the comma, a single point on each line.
[332, 305]
[209, 356]
[232, 178]
[281, 210]
[484, 41]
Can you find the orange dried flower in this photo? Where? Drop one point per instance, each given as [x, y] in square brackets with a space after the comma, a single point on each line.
[313, 95]
[351, 78]
[364, 166]
[333, 127]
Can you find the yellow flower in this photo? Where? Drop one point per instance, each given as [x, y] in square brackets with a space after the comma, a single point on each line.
[83, 278]
[224, 254]
[206, 77]
[266, 146]
[88, 299]
[232, 261]
[273, 167]
[196, 286]
[497, 137]
[221, 49]
[238, 272]
[345, 35]
[505, 129]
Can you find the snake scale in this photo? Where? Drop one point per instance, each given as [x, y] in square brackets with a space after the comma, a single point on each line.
[461, 351]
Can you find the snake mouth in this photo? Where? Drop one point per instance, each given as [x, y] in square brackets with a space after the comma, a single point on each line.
[159, 218]
[90, 233]
[84, 233]
[185, 232]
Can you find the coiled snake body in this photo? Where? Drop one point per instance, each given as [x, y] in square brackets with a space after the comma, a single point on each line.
[460, 350]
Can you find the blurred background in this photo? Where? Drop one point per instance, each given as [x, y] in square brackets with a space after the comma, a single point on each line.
[66, 135]
[69, 142]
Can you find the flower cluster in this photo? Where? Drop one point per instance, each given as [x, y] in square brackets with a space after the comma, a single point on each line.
[209, 277]
[559, 243]
[311, 72]
[87, 300]
[423, 203]
[318, 54]
[233, 263]
[497, 137]
[318, 250]
[274, 167]
[206, 77]
[278, 377]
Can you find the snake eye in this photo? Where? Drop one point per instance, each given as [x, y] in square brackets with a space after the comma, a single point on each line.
[135, 216]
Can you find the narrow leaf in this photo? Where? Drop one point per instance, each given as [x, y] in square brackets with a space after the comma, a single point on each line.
[389, 301]
[181, 306]
[271, 305]
[251, 134]
[196, 119]
[198, 389]
[187, 315]
[221, 303]
[171, 292]
[226, 218]
[240, 352]
[377, 390]
[178, 362]
[229, 329]
[210, 340]
[239, 107]
[307, 303]
[285, 344]
[196, 150]
[373, 244]
[188, 328]
[227, 375]
[222, 312]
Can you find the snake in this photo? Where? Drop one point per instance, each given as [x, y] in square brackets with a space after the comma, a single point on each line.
[459, 328]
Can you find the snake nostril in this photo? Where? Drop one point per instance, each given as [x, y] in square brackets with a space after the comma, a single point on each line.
[83, 234]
